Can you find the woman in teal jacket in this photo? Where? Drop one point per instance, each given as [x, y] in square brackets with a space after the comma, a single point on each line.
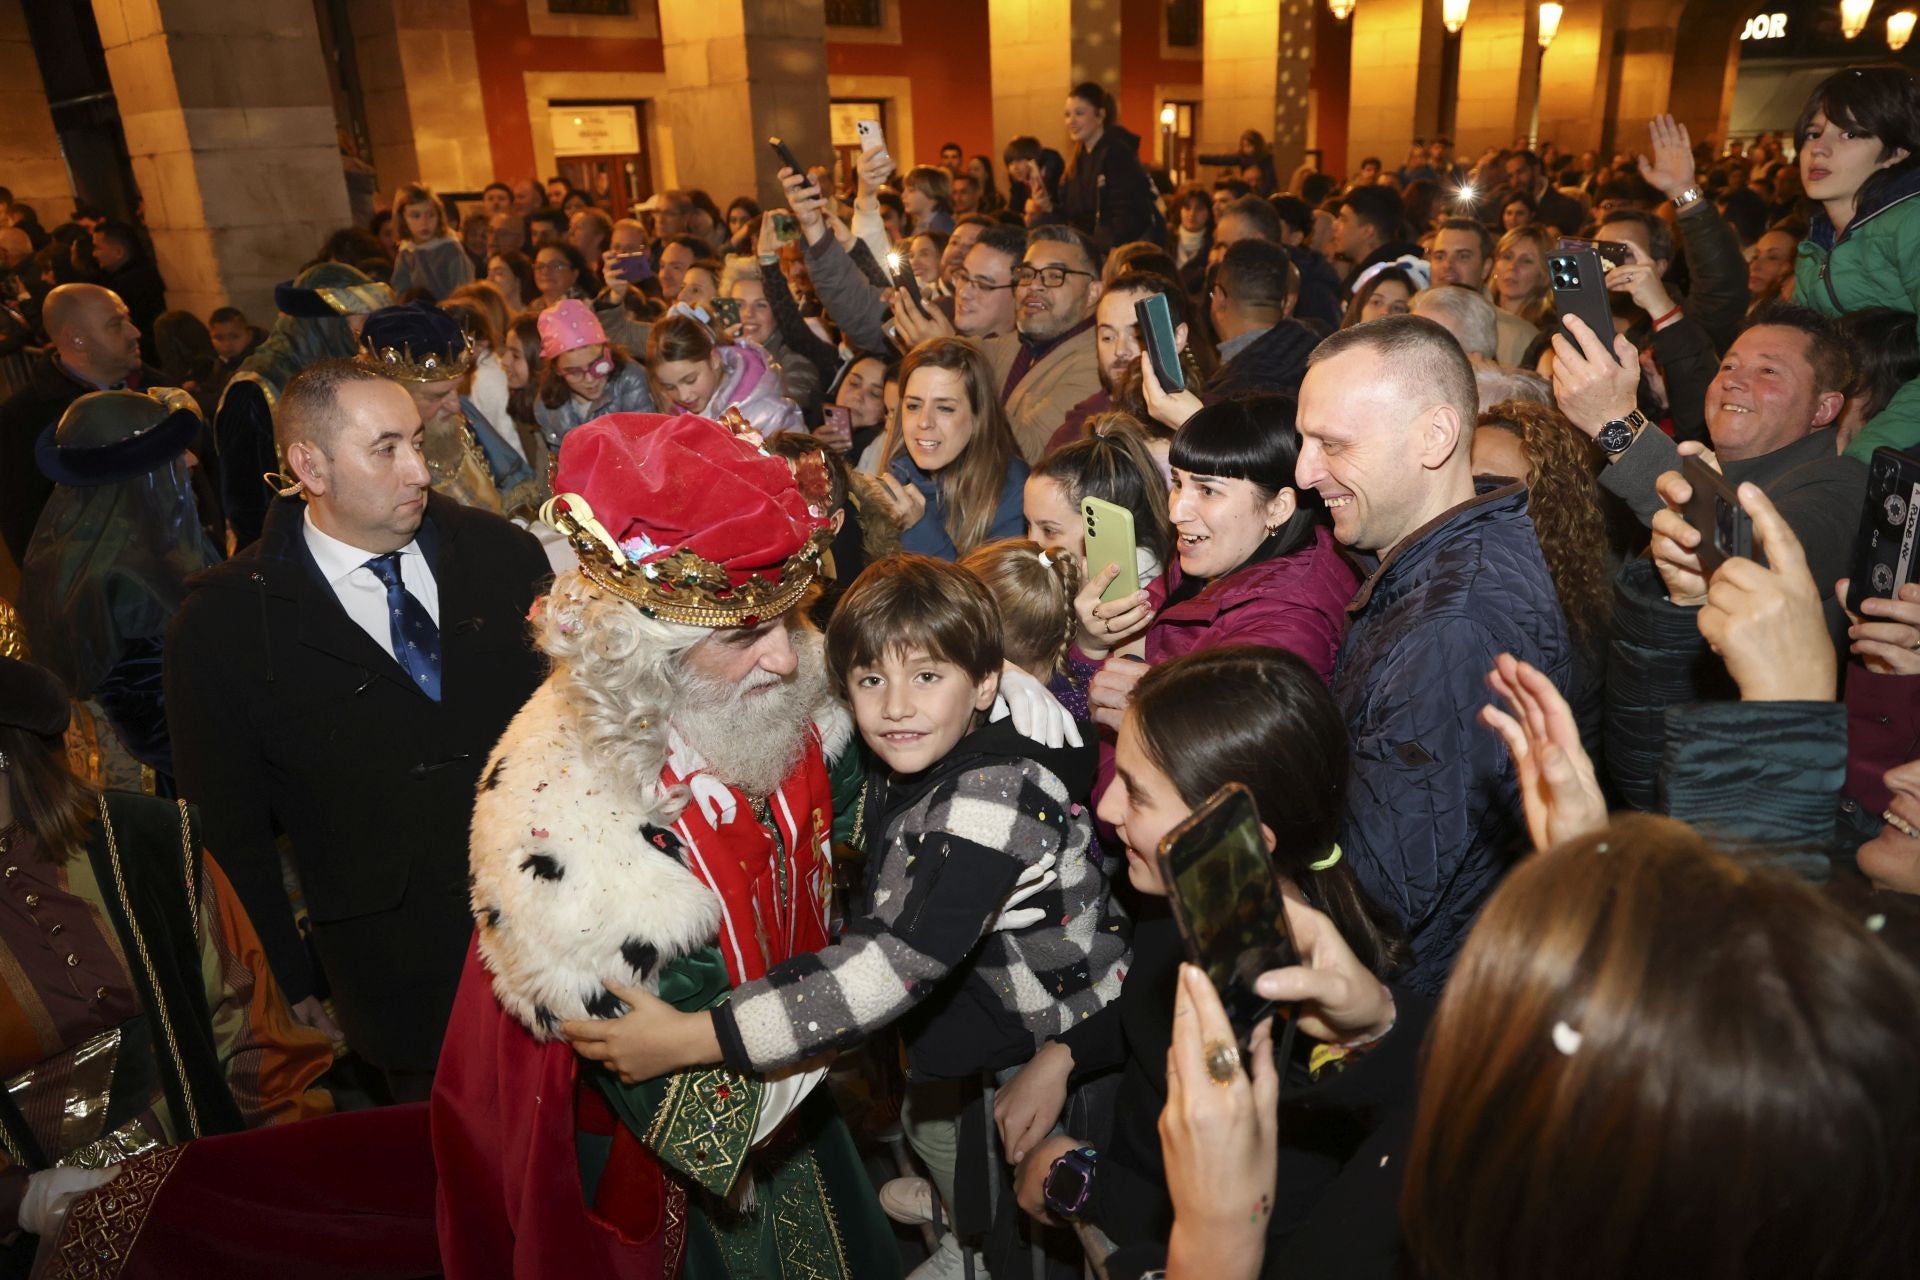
[1860, 158]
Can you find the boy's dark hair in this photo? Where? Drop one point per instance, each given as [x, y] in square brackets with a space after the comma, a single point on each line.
[1378, 207]
[1882, 102]
[1259, 273]
[1316, 187]
[1659, 237]
[1234, 187]
[1886, 353]
[227, 315]
[1294, 213]
[914, 602]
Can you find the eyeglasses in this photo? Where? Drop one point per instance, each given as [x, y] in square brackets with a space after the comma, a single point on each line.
[550, 267]
[964, 279]
[1051, 277]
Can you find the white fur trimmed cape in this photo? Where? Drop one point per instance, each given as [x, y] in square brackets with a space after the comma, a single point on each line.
[575, 884]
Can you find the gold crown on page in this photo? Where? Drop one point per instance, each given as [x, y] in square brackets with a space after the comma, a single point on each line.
[683, 587]
[436, 366]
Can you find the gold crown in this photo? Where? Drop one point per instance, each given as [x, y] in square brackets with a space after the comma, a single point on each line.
[683, 587]
[401, 364]
[13, 636]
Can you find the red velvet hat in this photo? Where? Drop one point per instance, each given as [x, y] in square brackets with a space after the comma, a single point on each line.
[687, 520]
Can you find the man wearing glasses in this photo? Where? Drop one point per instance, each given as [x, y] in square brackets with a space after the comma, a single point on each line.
[1054, 361]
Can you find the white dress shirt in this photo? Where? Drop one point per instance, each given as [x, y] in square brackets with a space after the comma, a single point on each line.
[359, 589]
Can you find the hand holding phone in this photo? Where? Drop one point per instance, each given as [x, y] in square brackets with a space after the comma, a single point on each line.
[1579, 283]
[1886, 556]
[1714, 511]
[836, 428]
[1226, 900]
[1110, 541]
[634, 268]
[904, 280]
[788, 159]
[726, 312]
[1155, 317]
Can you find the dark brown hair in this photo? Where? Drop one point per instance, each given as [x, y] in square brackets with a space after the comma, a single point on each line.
[972, 483]
[1112, 463]
[1263, 718]
[914, 602]
[1654, 1061]
[678, 338]
[53, 804]
[1564, 503]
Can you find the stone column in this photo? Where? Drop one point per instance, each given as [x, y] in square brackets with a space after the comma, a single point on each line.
[739, 71]
[1094, 31]
[1033, 48]
[1499, 67]
[1395, 98]
[1257, 58]
[30, 157]
[420, 81]
[230, 127]
[1576, 79]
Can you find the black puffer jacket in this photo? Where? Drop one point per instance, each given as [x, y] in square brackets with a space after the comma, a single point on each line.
[1275, 361]
[1433, 810]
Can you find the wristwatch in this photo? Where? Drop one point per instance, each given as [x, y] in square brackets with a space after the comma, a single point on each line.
[1069, 1183]
[1619, 433]
[1691, 196]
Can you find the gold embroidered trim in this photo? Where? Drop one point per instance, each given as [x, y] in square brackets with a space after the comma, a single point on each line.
[153, 976]
[104, 1225]
[801, 1202]
[704, 1126]
[129, 1140]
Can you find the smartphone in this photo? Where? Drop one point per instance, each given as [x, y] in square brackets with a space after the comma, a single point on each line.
[1225, 898]
[1155, 317]
[785, 229]
[871, 139]
[1110, 541]
[634, 268]
[785, 153]
[1714, 510]
[726, 311]
[904, 279]
[1579, 283]
[1883, 559]
[837, 416]
[1612, 253]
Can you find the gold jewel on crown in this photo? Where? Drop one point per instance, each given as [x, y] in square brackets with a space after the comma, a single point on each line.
[682, 587]
[401, 364]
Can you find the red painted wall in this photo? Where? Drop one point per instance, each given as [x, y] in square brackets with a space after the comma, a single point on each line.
[504, 48]
[1142, 67]
[943, 50]
[1331, 82]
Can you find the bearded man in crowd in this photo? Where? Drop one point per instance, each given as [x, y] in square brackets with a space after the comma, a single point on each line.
[658, 815]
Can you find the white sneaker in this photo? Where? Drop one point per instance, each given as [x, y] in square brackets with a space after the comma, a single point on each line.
[908, 1201]
[946, 1263]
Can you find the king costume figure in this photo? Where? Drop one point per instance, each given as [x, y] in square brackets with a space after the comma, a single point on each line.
[659, 815]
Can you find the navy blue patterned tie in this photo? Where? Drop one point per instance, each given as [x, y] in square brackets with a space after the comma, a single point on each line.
[416, 640]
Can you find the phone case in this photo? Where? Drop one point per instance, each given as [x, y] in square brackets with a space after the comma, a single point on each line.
[1714, 511]
[871, 139]
[1227, 816]
[726, 311]
[1884, 558]
[903, 278]
[1155, 318]
[1110, 540]
[1580, 289]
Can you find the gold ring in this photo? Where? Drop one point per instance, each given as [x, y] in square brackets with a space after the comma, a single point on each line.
[1223, 1059]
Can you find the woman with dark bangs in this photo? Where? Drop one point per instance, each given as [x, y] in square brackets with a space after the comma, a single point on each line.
[1254, 557]
[1860, 159]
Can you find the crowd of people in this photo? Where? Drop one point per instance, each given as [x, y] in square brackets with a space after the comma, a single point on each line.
[598, 736]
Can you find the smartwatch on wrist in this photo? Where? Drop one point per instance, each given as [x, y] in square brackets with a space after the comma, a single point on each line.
[1069, 1183]
[1619, 433]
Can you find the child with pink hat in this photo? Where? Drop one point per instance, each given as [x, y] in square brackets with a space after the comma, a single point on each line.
[583, 376]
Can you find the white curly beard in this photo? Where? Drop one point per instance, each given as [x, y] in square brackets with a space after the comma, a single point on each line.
[751, 734]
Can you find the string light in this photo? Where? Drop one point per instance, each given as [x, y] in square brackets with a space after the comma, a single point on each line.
[1899, 28]
[1853, 16]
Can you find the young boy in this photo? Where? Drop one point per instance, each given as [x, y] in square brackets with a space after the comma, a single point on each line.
[960, 811]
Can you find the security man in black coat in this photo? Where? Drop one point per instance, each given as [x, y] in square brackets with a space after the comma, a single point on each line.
[341, 681]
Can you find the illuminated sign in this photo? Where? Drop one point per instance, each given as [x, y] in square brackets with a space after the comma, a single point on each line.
[1765, 26]
[594, 131]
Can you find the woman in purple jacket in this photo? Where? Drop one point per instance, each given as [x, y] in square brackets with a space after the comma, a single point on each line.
[1255, 559]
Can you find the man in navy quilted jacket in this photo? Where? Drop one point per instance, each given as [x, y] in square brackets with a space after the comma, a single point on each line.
[1433, 818]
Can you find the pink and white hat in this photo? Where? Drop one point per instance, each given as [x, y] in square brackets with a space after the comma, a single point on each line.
[567, 326]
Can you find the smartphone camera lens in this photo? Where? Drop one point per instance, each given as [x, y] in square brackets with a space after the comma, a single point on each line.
[1723, 526]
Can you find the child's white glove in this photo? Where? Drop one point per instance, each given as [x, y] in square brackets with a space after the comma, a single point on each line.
[51, 1192]
[1036, 713]
[1037, 878]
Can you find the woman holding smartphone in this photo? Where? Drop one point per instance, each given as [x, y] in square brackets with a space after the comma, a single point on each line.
[1254, 557]
[1262, 718]
[952, 473]
[1860, 159]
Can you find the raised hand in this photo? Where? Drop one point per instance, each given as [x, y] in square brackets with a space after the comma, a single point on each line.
[1766, 621]
[1558, 789]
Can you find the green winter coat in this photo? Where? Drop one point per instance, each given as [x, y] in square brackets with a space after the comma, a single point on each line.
[1875, 262]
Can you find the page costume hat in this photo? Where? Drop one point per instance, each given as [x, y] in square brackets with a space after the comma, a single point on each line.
[689, 521]
[107, 436]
